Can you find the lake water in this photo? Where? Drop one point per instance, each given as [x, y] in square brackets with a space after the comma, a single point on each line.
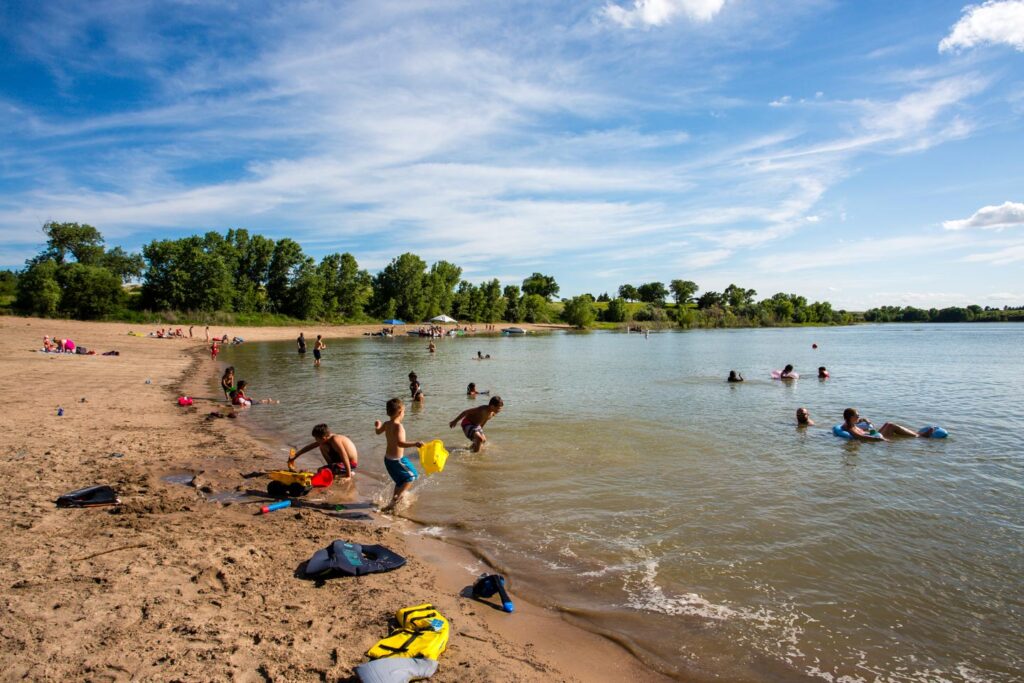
[628, 485]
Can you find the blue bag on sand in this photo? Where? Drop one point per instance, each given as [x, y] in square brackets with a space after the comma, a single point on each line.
[396, 670]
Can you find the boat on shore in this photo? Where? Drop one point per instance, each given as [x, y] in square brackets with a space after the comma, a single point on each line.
[513, 330]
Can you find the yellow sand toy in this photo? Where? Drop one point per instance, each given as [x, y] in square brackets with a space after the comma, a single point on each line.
[289, 484]
[433, 456]
[421, 632]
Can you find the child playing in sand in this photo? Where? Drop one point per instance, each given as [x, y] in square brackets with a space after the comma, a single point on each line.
[338, 450]
[398, 466]
[474, 419]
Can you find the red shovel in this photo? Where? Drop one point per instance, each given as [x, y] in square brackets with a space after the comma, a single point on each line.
[323, 478]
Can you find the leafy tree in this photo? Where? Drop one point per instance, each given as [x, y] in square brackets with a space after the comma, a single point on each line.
[83, 242]
[541, 285]
[8, 282]
[604, 297]
[442, 280]
[125, 266]
[536, 309]
[738, 297]
[307, 292]
[653, 293]
[709, 299]
[38, 289]
[683, 291]
[514, 311]
[617, 312]
[402, 280]
[88, 292]
[579, 311]
[629, 293]
[284, 266]
[494, 303]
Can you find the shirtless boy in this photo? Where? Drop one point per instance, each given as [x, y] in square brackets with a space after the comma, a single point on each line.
[474, 419]
[398, 466]
[338, 451]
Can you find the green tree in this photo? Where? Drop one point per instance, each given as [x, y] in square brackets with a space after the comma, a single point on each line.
[284, 267]
[629, 293]
[709, 299]
[307, 292]
[82, 241]
[402, 280]
[89, 292]
[125, 266]
[38, 290]
[8, 283]
[604, 297]
[442, 280]
[653, 293]
[513, 304]
[617, 312]
[683, 291]
[536, 309]
[579, 311]
[541, 285]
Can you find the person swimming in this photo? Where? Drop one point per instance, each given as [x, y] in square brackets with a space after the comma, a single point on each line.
[787, 372]
[861, 428]
[734, 376]
[803, 418]
[823, 373]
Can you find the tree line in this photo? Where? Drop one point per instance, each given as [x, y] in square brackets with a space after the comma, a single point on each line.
[256, 279]
[75, 275]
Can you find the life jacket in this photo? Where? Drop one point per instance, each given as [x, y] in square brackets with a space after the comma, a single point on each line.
[421, 632]
[352, 559]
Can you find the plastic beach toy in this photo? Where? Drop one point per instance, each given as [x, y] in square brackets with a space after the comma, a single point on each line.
[266, 509]
[433, 456]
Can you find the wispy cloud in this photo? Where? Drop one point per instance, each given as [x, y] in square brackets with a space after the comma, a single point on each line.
[1005, 215]
[661, 12]
[993, 22]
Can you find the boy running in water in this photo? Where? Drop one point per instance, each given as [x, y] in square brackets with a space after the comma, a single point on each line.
[338, 451]
[474, 419]
[398, 466]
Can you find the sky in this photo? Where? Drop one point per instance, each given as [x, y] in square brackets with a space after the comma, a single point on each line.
[862, 152]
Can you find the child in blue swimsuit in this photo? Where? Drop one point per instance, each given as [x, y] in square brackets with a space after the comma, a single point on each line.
[398, 466]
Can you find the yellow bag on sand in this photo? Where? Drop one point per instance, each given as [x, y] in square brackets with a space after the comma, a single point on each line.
[423, 632]
[433, 456]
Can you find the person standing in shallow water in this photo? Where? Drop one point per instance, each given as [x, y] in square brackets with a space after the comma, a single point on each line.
[301, 342]
[318, 347]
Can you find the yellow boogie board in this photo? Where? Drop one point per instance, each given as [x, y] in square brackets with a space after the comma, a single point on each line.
[433, 456]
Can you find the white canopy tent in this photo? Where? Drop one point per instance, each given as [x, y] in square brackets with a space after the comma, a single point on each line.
[443, 319]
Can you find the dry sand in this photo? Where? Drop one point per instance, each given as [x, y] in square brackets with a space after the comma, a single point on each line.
[171, 586]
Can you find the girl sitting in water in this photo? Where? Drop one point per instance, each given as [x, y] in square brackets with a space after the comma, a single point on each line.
[787, 372]
[473, 393]
[239, 398]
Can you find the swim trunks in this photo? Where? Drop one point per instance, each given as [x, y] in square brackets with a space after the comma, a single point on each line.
[401, 470]
[470, 429]
[338, 468]
[316, 354]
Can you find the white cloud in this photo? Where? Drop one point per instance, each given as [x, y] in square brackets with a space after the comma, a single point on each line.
[995, 22]
[913, 112]
[1000, 257]
[660, 12]
[813, 219]
[781, 102]
[1006, 215]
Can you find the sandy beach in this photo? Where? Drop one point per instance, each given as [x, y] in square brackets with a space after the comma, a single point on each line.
[172, 585]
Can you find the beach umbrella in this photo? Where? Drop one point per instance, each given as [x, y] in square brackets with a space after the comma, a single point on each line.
[443, 319]
[393, 321]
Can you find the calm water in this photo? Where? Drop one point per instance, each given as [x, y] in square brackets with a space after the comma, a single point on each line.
[629, 485]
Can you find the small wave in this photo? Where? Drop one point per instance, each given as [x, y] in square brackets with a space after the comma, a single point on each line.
[647, 595]
[434, 531]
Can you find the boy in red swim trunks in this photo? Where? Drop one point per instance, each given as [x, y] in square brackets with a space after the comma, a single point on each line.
[474, 419]
[337, 450]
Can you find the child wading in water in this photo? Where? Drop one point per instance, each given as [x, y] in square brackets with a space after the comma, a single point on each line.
[398, 466]
[317, 348]
[474, 419]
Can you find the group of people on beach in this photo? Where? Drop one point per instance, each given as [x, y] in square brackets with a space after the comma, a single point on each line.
[58, 345]
[318, 347]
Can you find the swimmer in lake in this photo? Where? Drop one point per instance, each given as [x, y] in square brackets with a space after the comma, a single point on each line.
[823, 373]
[474, 419]
[803, 418]
[855, 426]
[734, 376]
[787, 372]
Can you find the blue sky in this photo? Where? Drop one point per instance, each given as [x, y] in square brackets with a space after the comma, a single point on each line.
[863, 152]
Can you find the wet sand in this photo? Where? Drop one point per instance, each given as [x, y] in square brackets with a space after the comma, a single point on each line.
[173, 586]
